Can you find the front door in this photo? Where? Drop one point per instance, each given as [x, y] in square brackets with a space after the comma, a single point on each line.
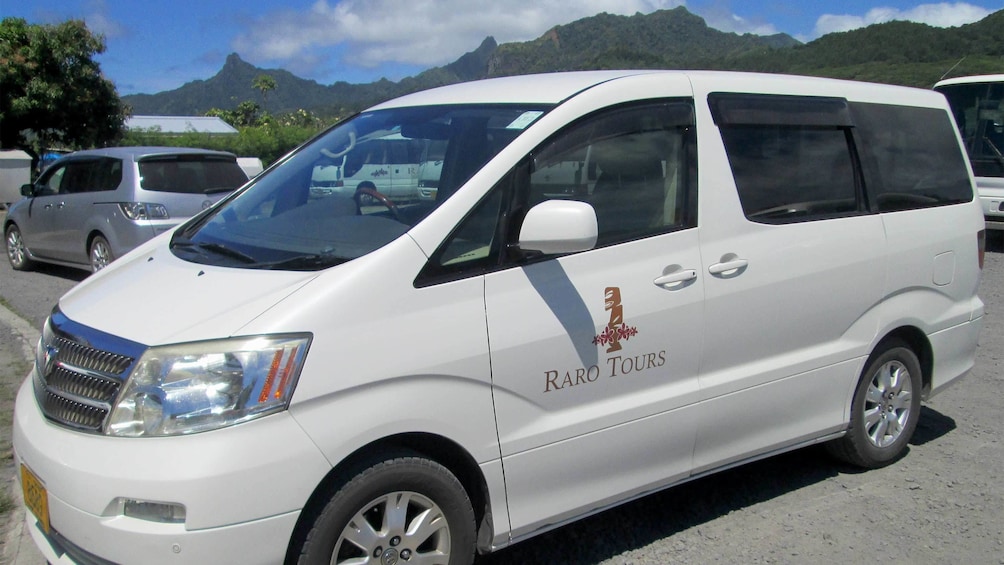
[595, 355]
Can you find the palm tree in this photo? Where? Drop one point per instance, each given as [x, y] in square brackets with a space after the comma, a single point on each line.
[264, 83]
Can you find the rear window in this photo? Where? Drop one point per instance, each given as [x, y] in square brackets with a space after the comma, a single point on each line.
[910, 157]
[190, 174]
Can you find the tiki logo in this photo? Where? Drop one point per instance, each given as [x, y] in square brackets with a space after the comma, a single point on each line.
[616, 330]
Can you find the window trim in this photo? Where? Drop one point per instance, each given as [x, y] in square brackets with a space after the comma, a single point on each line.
[515, 185]
[735, 109]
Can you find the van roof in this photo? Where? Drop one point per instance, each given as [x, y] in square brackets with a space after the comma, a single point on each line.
[546, 88]
[554, 88]
[136, 153]
[970, 80]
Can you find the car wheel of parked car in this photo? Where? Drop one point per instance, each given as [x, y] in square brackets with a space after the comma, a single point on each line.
[406, 509]
[16, 252]
[100, 253]
[885, 409]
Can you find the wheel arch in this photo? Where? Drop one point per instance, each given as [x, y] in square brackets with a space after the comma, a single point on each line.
[434, 447]
[93, 233]
[918, 342]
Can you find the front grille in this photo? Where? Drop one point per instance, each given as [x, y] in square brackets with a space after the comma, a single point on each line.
[76, 384]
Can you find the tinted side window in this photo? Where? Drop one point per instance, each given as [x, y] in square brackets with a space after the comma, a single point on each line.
[911, 157]
[92, 175]
[52, 179]
[105, 174]
[791, 157]
[791, 174]
[635, 165]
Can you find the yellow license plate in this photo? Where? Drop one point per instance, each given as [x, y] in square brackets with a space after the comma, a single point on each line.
[35, 497]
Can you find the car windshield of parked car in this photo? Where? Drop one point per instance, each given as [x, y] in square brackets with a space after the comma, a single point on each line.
[354, 188]
[190, 174]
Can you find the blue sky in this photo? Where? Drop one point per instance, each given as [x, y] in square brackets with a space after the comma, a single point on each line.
[157, 46]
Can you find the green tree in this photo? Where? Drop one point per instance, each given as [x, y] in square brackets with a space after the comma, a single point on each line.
[52, 92]
[246, 114]
[264, 83]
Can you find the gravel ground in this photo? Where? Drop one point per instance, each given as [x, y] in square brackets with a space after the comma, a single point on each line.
[942, 503]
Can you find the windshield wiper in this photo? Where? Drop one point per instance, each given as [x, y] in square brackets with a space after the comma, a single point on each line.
[217, 248]
[221, 249]
[304, 263]
[218, 189]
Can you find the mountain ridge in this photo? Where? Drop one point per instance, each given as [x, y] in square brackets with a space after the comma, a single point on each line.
[894, 52]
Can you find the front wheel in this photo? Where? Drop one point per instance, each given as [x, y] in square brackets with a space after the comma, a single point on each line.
[403, 510]
[100, 253]
[17, 253]
[885, 409]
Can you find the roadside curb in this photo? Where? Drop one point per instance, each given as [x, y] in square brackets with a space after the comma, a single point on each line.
[18, 547]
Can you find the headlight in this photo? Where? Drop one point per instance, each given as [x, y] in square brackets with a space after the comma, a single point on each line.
[194, 387]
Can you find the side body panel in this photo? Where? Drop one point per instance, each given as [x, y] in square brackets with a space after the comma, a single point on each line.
[583, 422]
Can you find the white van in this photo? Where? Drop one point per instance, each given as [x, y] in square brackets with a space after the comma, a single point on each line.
[728, 266]
[381, 161]
[978, 105]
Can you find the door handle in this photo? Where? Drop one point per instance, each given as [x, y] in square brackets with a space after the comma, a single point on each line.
[728, 268]
[676, 278]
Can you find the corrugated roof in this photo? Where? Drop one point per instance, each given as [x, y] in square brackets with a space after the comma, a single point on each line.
[180, 124]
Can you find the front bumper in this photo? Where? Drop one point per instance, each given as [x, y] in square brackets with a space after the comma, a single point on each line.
[242, 488]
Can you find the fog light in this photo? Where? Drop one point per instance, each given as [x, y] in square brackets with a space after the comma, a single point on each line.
[163, 512]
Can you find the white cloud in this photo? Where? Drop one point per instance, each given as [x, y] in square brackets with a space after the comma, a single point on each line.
[99, 22]
[419, 32]
[722, 19]
[938, 15]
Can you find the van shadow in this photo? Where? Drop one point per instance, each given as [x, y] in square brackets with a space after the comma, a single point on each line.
[995, 241]
[637, 524]
[68, 273]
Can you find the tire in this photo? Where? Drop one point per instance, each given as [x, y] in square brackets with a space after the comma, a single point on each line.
[17, 253]
[408, 491]
[100, 253]
[885, 409]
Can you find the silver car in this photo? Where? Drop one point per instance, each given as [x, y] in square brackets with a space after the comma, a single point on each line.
[93, 206]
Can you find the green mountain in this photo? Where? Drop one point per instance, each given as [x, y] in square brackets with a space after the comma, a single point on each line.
[665, 39]
[895, 52]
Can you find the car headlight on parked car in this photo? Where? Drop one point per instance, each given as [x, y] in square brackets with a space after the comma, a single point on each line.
[195, 387]
[144, 211]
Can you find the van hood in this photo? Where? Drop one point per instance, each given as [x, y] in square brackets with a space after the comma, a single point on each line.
[152, 297]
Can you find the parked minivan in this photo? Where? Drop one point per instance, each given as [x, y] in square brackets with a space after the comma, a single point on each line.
[978, 105]
[626, 280]
[92, 206]
[387, 163]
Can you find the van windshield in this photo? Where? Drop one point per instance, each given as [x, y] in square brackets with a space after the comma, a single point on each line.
[354, 188]
[979, 112]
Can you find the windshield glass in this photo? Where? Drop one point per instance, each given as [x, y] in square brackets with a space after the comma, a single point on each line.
[979, 111]
[353, 189]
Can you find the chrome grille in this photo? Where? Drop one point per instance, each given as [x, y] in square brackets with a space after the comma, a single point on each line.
[76, 384]
[90, 359]
[72, 413]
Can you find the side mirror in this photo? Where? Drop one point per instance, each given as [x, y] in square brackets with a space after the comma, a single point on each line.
[559, 226]
[27, 190]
